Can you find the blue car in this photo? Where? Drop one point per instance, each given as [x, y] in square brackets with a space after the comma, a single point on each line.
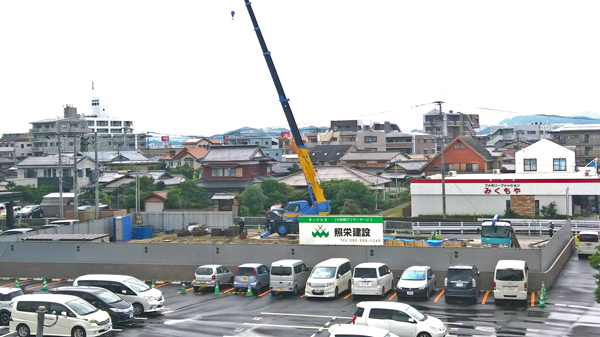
[254, 274]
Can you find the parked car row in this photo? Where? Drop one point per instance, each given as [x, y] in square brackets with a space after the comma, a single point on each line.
[88, 308]
[331, 277]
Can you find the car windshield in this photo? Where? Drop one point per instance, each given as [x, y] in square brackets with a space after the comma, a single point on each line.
[495, 231]
[245, 271]
[283, 271]
[509, 275]
[416, 314]
[365, 273]
[390, 334]
[204, 271]
[459, 274]
[136, 285]
[323, 272]
[413, 275]
[27, 208]
[81, 307]
[588, 238]
[108, 297]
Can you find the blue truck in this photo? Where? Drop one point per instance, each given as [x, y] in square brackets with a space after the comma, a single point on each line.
[497, 233]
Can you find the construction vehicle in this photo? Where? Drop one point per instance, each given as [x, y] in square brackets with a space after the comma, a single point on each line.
[498, 234]
[287, 223]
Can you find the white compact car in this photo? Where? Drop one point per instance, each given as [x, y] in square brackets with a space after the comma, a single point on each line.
[351, 330]
[372, 278]
[399, 318]
[209, 275]
[6, 297]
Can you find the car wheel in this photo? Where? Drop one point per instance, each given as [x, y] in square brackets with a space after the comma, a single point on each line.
[383, 293]
[78, 332]
[295, 290]
[423, 334]
[196, 289]
[231, 280]
[4, 318]
[283, 229]
[580, 256]
[349, 286]
[447, 299]
[138, 309]
[427, 293]
[23, 330]
[258, 287]
[336, 292]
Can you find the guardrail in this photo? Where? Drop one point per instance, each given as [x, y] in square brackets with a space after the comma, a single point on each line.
[535, 227]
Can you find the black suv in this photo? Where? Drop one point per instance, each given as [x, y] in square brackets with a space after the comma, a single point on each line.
[120, 311]
[462, 282]
[30, 211]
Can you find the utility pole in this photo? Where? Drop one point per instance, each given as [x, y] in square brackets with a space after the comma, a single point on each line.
[75, 176]
[97, 193]
[61, 210]
[439, 103]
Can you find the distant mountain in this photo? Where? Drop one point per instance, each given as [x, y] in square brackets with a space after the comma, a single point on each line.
[551, 119]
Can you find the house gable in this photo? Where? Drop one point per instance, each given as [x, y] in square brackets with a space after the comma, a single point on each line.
[547, 156]
[462, 154]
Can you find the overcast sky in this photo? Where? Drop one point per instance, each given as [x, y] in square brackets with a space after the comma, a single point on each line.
[187, 68]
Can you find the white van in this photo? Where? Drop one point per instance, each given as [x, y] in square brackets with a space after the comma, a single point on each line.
[288, 276]
[372, 278]
[588, 241]
[139, 294]
[66, 315]
[510, 280]
[329, 278]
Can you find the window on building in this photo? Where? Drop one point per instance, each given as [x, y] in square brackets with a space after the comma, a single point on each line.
[531, 132]
[424, 141]
[456, 146]
[559, 164]
[370, 139]
[573, 136]
[530, 164]
[424, 151]
[462, 146]
[30, 173]
[507, 205]
[48, 173]
[536, 207]
[222, 172]
[64, 126]
[66, 173]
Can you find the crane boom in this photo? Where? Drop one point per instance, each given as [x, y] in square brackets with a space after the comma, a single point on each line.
[319, 202]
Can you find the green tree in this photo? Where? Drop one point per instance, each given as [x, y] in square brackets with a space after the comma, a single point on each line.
[187, 171]
[146, 185]
[187, 195]
[253, 198]
[350, 206]
[277, 193]
[160, 186]
[31, 194]
[295, 168]
[549, 211]
[595, 264]
[340, 191]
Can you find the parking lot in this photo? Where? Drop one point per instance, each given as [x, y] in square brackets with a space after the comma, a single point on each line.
[570, 311]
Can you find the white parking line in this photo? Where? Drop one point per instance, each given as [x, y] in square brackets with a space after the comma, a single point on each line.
[285, 326]
[8, 334]
[302, 315]
[576, 306]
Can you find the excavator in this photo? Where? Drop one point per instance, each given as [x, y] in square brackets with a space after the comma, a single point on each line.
[287, 222]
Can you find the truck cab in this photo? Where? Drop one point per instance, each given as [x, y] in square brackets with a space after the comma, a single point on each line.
[496, 233]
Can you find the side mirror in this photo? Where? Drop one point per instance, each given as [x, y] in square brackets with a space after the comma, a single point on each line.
[478, 272]
[123, 291]
[430, 277]
[411, 320]
[339, 275]
[64, 314]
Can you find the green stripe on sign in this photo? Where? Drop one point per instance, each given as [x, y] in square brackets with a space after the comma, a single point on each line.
[340, 219]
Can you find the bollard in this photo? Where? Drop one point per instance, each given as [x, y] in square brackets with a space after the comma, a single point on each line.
[41, 313]
[217, 291]
[17, 283]
[183, 291]
[249, 291]
[542, 303]
[44, 285]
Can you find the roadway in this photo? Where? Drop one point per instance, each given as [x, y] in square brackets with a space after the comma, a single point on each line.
[570, 310]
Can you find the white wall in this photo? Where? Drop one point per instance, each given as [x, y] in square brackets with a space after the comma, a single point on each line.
[545, 151]
[154, 206]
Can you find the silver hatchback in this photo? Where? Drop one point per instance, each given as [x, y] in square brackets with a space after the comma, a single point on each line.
[209, 275]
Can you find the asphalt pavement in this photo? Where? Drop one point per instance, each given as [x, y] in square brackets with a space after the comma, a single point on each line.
[570, 310]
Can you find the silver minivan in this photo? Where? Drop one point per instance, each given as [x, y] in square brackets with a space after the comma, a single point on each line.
[288, 276]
